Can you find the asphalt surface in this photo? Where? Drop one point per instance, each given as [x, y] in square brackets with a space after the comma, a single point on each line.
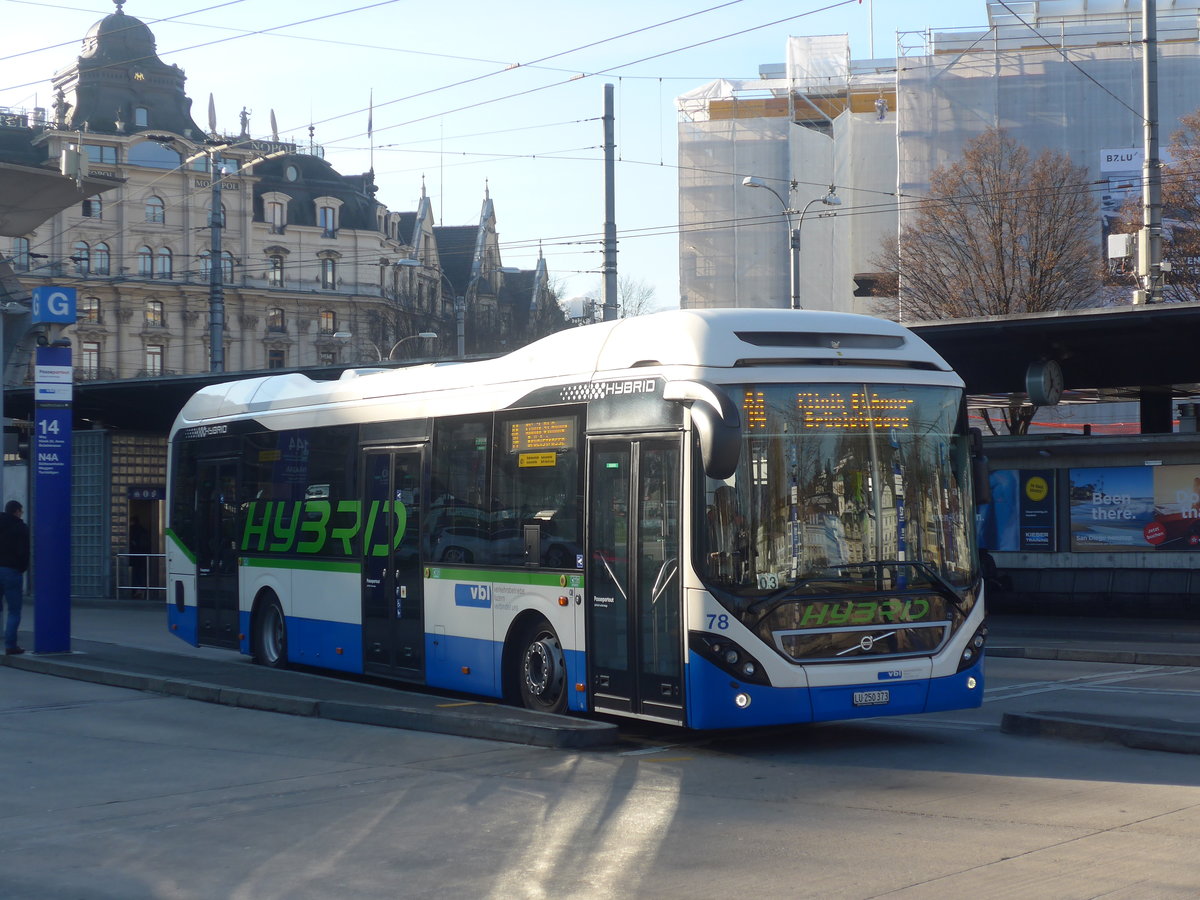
[126, 644]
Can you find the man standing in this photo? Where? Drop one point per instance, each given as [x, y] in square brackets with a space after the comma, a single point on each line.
[14, 560]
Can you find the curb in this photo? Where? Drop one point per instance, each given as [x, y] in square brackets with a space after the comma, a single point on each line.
[491, 721]
[1123, 657]
[1141, 734]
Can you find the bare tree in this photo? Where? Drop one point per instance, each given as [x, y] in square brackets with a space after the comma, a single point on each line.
[1000, 233]
[635, 296]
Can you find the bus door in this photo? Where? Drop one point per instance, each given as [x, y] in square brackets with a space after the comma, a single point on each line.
[393, 609]
[633, 584]
[217, 507]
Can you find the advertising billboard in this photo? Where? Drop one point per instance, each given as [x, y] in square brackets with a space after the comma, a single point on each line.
[1021, 516]
[1135, 508]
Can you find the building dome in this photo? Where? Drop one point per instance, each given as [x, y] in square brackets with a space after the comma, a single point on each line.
[119, 38]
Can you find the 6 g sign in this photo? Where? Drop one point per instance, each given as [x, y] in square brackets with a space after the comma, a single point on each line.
[54, 304]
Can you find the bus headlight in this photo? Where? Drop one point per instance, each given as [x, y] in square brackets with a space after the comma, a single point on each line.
[974, 648]
[728, 657]
[741, 700]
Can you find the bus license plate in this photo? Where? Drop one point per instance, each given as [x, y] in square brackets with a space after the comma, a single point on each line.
[872, 698]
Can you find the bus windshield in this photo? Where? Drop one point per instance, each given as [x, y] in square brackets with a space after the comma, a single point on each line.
[841, 489]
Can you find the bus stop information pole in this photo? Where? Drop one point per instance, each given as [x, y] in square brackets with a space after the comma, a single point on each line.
[51, 518]
[51, 524]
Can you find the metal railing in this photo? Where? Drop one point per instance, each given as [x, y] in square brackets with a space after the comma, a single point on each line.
[150, 569]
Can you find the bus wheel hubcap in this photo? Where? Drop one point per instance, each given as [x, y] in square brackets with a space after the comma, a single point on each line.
[544, 667]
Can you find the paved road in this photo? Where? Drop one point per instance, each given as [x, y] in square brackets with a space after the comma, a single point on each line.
[111, 793]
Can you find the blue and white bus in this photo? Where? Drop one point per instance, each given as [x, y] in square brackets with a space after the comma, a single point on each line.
[712, 518]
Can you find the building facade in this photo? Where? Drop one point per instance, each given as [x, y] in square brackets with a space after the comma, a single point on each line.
[1059, 75]
[311, 269]
[180, 226]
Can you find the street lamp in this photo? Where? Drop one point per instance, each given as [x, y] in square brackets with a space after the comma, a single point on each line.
[423, 335]
[830, 199]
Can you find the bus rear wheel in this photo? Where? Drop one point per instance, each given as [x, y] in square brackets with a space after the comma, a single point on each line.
[270, 636]
[542, 669]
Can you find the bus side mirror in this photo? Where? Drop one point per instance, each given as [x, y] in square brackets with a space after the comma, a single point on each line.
[979, 469]
[717, 424]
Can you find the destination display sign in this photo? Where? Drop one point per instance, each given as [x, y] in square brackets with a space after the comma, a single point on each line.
[836, 410]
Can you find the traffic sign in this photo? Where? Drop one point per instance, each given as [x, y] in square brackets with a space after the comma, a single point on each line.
[52, 303]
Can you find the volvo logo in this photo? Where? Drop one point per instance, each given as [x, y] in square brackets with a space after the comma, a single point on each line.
[867, 643]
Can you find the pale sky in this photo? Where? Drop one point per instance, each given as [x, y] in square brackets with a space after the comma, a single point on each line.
[474, 94]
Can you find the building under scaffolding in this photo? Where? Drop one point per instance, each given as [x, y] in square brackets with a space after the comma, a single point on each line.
[1063, 75]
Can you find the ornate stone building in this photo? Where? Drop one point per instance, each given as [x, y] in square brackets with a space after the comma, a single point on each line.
[311, 268]
[303, 265]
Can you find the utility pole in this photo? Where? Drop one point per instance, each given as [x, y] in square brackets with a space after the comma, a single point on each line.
[1150, 238]
[610, 210]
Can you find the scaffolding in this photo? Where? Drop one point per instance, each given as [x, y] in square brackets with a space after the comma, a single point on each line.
[1059, 75]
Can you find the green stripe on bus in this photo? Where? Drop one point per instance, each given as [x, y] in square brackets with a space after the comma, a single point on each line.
[542, 579]
[179, 545]
[309, 565]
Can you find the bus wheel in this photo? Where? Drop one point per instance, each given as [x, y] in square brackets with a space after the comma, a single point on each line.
[543, 669]
[270, 636]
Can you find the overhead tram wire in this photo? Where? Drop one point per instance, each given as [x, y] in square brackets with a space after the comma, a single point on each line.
[577, 77]
[235, 37]
[536, 63]
[117, 31]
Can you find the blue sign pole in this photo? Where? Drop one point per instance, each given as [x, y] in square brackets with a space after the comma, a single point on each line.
[51, 520]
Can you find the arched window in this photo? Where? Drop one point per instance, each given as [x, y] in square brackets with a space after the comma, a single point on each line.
[89, 310]
[156, 210]
[81, 256]
[226, 266]
[327, 321]
[162, 263]
[154, 314]
[327, 220]
[141, 115]
[329, 274]
[275, 271]
[100, 259]
[276, 216]
[153, 155]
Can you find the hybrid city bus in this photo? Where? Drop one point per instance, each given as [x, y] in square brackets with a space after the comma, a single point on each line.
[710, 518]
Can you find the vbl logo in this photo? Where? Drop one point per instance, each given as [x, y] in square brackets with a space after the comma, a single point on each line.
[477, 595]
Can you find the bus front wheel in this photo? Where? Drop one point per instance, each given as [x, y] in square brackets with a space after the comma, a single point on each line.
[270, 636]
[542, 669]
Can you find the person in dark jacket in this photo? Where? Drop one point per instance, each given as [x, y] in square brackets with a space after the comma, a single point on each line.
[14, 561]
